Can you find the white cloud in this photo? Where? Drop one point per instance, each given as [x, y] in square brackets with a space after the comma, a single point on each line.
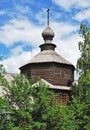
[68, 48]
[63, 30]
[20, 30]
[17, 50]
[83, 15]
[2, 12]
[72, 3]
[42, 16]
[23, 2]
[23, 9]
[18, 58]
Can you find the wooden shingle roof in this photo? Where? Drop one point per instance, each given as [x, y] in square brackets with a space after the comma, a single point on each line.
[48, 56]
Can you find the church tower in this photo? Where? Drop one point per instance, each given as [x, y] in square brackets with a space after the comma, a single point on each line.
[51, 67]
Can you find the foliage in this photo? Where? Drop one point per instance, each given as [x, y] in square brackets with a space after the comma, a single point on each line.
[83, 62]
[3, 121]
[81, 93]
[4, 124]
[81, 103]
[42, 104]
[80, 106]
[28, 103]
[38, 112]
[2, 71]
[60, 118]
[18, 95]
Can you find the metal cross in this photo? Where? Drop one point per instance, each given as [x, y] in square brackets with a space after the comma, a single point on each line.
[48, 16]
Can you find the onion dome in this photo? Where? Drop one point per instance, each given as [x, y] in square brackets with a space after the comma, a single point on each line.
[48, 34]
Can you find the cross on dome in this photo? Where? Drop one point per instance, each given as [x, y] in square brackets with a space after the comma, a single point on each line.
[48, 33]
[48, 16]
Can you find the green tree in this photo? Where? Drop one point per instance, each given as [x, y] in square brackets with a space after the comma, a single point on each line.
[18, 95]
[29, 103]
[81, 103]
[81, 93]
[83, 62]
[2, 71]
[81, 99]
[33, 106]
[3, 102]
[42, 104]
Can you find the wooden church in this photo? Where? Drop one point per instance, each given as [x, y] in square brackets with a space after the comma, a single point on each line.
[51, 67]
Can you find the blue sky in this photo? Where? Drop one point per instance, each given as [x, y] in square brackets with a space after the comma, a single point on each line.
[22, 22]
